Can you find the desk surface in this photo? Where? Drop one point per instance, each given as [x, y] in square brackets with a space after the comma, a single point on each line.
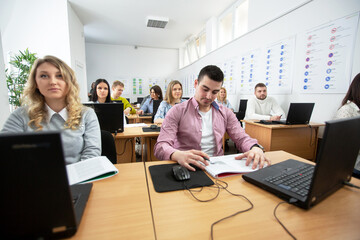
[119, 207]
[255, 122]
[177, 215]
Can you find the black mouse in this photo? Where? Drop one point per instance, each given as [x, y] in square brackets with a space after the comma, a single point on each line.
[181, 173]
[153, 126]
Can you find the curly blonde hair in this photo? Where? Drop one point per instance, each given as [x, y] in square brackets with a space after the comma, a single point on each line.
[35, 101]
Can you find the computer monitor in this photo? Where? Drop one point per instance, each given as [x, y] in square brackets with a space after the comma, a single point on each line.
[156, 104]
[139, 99]
[110, 115]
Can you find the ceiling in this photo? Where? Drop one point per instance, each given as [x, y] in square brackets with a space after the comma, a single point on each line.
[123, 22]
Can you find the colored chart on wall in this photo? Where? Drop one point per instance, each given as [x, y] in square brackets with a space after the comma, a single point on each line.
[137, 86]
[327, 56]
[278, 66]
[249, 71]
[228, 68]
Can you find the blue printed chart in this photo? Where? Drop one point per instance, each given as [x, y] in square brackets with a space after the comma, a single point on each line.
[278, 66]
[327, 56]
[156, 81]
[228, 68]
[249, 71]
[188, 85]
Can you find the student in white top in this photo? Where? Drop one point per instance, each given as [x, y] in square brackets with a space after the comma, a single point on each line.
[263, 107]
[350, 107]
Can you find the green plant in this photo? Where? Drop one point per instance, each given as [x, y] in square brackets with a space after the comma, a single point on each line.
[17, 75]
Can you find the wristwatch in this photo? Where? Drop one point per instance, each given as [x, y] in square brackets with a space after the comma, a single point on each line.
[259, 146]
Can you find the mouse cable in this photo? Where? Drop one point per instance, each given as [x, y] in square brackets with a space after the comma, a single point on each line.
[219, 184]
[191, 191]
[351, 185]
[292, 200]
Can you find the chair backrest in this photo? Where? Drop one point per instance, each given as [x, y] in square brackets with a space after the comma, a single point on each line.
[240, 115]
[108, 148]
[156, 104]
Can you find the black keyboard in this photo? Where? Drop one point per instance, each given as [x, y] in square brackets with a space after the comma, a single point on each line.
[297, 181]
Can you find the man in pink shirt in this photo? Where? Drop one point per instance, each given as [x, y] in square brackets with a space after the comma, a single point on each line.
[193, 130]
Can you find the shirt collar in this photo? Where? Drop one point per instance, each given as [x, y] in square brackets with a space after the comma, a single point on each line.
[196, 104]
[63, 113]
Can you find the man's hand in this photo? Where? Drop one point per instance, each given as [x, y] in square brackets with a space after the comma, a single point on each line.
[256, 155]
[184, 158]
[127, 111]
[275, 118]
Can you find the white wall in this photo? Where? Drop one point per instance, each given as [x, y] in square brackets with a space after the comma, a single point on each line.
[4, 102]
[114, 61]
[45, 27]
[40, 25]
[77, 51]
[312, 14]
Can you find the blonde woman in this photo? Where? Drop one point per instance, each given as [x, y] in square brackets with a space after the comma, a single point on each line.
[221, 99]
[51, 102]
[173, 96]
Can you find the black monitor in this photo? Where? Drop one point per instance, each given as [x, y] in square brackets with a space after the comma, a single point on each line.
[139, 99]
[156, 104]
[186, 98]
[110, 115]
[128, 99]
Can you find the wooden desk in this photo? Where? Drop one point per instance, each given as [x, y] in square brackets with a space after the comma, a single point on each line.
[118, 207]
[300, 140]
[125, 145]
[148, 141]
[177, 215]
[135, 118]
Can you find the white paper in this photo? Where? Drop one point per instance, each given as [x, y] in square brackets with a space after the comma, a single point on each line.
[83, 171]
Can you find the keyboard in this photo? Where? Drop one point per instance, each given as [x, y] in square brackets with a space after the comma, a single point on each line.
[297, 181]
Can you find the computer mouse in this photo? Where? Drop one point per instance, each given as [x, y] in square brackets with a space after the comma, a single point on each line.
[153, 126]
[181, 173]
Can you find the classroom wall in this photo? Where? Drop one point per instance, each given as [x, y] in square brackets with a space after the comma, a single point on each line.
[117, 62]
[310, 15]
[40, 25]
[77, 51]
[45, 27]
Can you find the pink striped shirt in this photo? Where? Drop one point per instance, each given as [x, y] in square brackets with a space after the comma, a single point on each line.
[181, 130]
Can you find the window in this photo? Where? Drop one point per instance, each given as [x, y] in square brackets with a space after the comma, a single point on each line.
[241, 18]
[225, 28]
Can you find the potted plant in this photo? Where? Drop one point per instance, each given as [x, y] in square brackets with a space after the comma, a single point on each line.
[17, 75]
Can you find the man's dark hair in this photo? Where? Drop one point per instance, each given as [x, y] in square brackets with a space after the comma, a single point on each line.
[259, 85]
[213, 72]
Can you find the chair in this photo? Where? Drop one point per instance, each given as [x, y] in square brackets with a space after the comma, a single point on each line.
[240, 115]
[108, 146]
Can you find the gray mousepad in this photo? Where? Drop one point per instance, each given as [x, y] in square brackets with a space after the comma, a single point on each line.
[164, 180]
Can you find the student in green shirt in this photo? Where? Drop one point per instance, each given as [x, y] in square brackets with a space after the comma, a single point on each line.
[117, 89]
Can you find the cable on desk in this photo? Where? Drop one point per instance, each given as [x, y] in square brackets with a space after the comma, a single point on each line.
[351, 185]
[292, 200]
[311, 134]
[219, 186]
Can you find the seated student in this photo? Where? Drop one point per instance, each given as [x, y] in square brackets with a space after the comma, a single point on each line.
[101, 94]
[193, 130]
[221, 99]
[262, 107]
[350, 107]
[156, 94]
[117, 89]
[173, 96]
[51, 102]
